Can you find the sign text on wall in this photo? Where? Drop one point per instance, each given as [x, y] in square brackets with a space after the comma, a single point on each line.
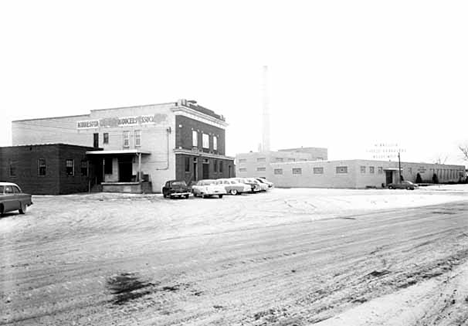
[120, 122]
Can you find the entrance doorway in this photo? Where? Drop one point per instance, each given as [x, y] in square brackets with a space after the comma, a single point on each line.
[125, 168]
[388, 177]
[206, 169]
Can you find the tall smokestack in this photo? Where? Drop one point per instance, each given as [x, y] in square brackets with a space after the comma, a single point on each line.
[266, 113]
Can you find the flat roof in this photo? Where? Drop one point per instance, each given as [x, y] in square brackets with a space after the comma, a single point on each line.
[119, 152]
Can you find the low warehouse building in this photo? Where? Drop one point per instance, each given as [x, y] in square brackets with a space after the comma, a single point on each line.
[360, 173]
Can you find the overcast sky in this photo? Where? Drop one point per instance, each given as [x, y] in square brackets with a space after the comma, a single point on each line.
[342, 74]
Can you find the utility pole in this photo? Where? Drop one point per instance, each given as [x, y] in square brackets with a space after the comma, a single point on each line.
[399, 167]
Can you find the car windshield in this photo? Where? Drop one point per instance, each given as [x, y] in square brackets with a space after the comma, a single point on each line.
[179, 183]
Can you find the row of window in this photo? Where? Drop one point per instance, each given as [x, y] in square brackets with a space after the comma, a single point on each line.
[205, 140]
[276, 159]
[316, 170]
[218, 166]
[125, 138]
[371, 169]
[42, 167]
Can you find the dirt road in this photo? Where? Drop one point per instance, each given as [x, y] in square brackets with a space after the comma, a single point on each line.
[287, 257]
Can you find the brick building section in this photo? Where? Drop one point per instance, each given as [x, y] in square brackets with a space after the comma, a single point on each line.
[20, 164]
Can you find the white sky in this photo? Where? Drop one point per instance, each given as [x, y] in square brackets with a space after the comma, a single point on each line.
[342, 74]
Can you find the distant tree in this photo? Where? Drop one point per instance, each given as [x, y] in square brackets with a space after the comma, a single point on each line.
[441, 159]
[418, 178]
[464, 150]
[435, 178]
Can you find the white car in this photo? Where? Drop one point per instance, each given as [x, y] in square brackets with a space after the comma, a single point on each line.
[208, 188]
[263, 180]
[233, 186]
[261, 186]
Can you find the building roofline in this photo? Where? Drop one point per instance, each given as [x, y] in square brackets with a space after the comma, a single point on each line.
[47, 144]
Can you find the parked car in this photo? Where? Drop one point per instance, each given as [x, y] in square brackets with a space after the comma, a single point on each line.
[254, 184]
[176, 188]
[263, 180]
[403, 185]
[208, 188]
[260, 185]
[233, 187]
[12, 198]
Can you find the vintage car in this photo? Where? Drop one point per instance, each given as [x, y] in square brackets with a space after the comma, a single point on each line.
[12, 198]
[233, 187]
[403, 185]
[263, 180]
[176, 188]
[208, 188]
[254, 184]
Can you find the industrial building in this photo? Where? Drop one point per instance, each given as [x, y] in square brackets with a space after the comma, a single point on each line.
[258, 164]
[135, 149]
[360, 173]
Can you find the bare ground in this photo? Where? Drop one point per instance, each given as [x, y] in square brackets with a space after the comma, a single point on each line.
[287, 257]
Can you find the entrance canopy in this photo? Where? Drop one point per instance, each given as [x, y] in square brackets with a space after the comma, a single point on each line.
[119, 152]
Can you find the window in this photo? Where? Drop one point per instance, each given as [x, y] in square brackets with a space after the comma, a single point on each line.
[278, 171]
[215, 166]
[84, 168]
[242, 170]
[261, 168]
[318, 170]
[291, 159]
[12, 169]
[261, 159]
[95, 140]
[215, 143]
[380, 170]
[126, 139]
[105, 138]
[410, 170]
[137, 138]
[242, 160]
[41, 167]
[371, 169]
[108, 165]
[341, 169]
[206, 141]
[296, 171]
[194, 138]
[279, 159]
[363, 169]
[187, 164]
[220, 166]
[70, 164]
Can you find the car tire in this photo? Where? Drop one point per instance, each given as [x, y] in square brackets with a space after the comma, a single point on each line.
[220, 196]
[186, 196]
[23, 208]
[233, 192]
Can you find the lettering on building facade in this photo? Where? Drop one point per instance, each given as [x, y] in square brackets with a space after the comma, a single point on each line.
[121, 122]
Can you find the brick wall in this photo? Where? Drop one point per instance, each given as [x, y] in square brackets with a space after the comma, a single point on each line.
[184, 128]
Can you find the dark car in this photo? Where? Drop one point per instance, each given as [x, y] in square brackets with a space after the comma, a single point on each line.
[12, 198]
[403, 185]
[176, 188]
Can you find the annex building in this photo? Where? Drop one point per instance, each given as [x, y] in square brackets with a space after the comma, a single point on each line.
[128, 149]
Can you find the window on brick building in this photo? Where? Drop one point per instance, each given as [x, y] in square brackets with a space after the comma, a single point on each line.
[12, 168]
[206, 141]
[296, 171]
[261, 169]
[279, 159]
[380, 170]
[84, 168]
[363, 169]
[215, 166]
[105, 138]
[70, 166]
[221, 166]
[261, 159]
[278, 171]
[371, 169]
[242, 170]
[194, 138]
[215, 143]
[242, 160]
[187, 164]
[291, 159]
[41, 167]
